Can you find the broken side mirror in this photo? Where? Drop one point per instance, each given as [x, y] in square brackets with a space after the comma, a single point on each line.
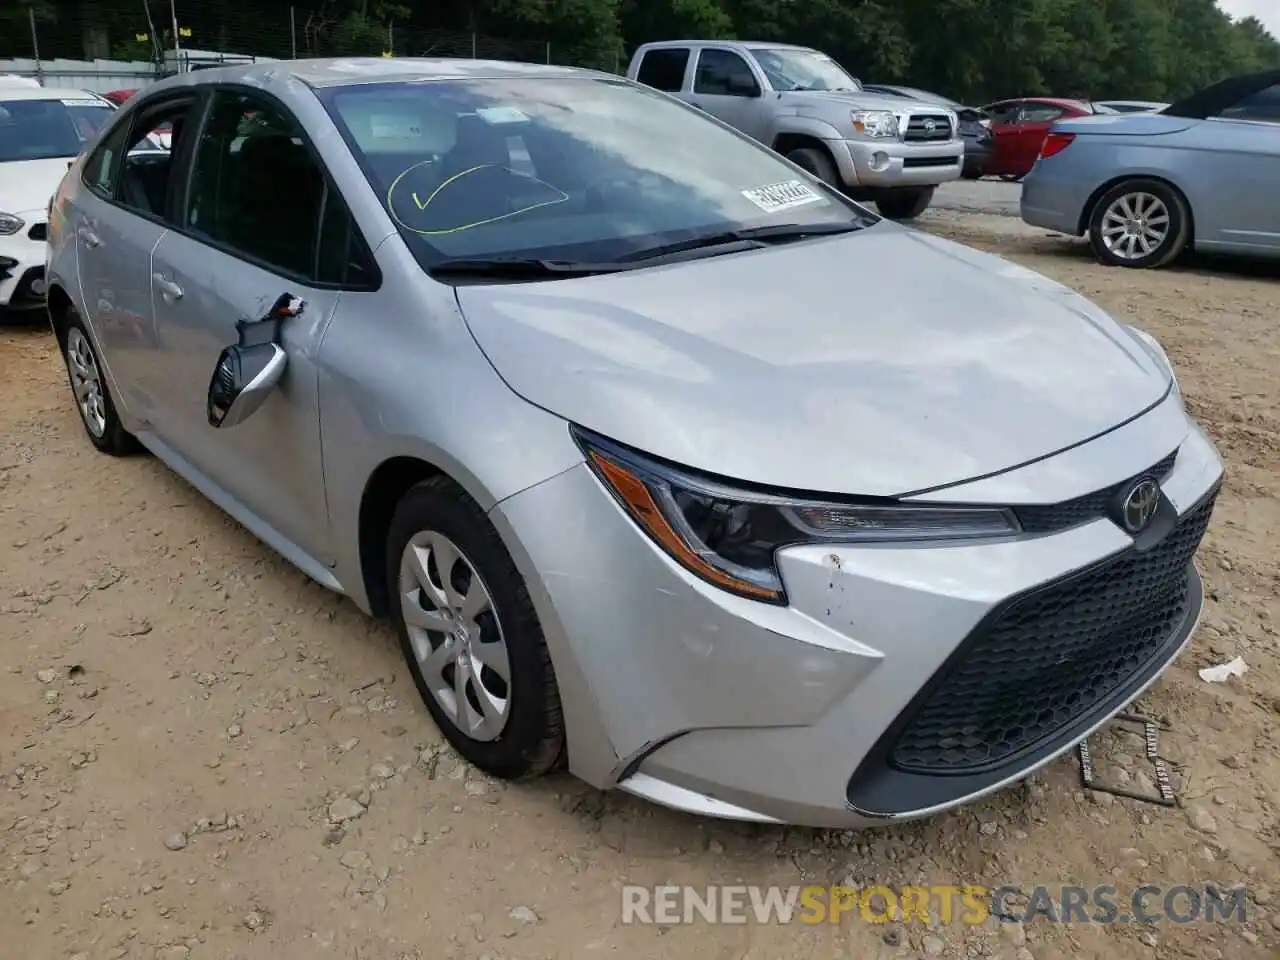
[247, 372]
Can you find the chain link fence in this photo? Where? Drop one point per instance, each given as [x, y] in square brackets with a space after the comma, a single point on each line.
[105, 45]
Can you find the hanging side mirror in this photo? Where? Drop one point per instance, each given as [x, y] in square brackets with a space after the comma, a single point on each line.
[247, 372]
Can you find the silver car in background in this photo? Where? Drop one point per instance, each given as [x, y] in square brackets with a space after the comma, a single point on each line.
[1144, 187]
[669, 463]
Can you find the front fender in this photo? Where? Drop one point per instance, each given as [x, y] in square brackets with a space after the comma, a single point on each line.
[805, 126]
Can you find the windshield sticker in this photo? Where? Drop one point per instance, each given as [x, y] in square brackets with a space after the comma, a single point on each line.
[498, 115]
[782, 196]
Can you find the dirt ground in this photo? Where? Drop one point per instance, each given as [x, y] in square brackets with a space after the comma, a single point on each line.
[179, 708]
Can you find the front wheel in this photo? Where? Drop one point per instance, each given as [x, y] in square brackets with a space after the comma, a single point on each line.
[904, 204]
[817, 162]
[470, 634]
[1139, 224]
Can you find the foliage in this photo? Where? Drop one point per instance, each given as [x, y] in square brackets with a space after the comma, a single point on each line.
[971, 50]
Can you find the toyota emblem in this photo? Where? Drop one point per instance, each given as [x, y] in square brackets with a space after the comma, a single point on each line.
[1140, 505]
[930, 125]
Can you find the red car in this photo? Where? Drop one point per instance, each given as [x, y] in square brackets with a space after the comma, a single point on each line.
[1019, 127]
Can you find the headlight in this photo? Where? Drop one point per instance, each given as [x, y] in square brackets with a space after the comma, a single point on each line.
[729, 536]
[876, 124]
[10, 224]
[1155, 352]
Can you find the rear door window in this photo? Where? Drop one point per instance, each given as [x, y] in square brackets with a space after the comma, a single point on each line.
[1040, 113]
[664, 68]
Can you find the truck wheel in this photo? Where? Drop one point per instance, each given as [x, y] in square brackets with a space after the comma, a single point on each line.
[903, 204]
[817, 162]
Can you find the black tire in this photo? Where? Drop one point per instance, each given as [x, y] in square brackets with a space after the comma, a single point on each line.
[1175, 239]
[113, 438]
[904, 204]
[532, 740]
[818, 162]
[971, 173]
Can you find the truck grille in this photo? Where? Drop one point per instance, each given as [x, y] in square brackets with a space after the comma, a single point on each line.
[1033, 668]
[928, 128]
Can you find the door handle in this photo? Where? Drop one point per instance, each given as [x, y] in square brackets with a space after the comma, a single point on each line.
[90, 238]
[168, 289]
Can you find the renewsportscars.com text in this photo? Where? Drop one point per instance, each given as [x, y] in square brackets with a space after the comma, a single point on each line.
[945, 903]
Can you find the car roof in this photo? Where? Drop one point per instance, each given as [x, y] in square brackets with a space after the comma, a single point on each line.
[1052, 101]
[342, 71]
[746, 44]
[47, 93]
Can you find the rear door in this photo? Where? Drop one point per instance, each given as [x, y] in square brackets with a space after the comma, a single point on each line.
[665, 69]
[1004, 130]
[725, 86]
[120, 218]
[260, 219]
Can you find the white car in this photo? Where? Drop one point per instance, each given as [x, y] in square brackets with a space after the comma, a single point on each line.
[42, 129]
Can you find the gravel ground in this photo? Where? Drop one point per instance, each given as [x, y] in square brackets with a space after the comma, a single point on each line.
[979, 196]
[183, 718]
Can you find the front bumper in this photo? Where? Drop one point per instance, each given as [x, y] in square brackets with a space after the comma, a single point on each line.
[880, 164]
[723, 706]
[22, 265]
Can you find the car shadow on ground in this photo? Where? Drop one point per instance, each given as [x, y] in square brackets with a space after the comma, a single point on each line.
[34, 319]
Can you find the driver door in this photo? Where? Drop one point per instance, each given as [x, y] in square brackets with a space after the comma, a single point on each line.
[725, 86]
[260, 219]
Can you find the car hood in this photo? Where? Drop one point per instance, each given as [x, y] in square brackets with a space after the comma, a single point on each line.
[27, 185]
[1125, 124]
[880, 363]
[859, 100]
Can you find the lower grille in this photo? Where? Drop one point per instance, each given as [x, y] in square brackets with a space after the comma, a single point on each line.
[928, 128]
[30, 289]
[1033, 667]
[39, 232]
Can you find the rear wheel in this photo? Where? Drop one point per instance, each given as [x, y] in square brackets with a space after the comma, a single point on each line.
[1140, 224]
[92, 395]
[904, 204]
[817, 162]
[470, 635]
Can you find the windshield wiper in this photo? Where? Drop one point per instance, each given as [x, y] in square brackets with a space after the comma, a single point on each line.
[522, 268]
[753, 237]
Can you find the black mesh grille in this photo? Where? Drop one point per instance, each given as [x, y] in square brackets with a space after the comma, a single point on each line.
[1092, 506]
[1051, 656]
[926, 128]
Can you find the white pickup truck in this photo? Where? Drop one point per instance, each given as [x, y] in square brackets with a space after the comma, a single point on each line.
[803, 104]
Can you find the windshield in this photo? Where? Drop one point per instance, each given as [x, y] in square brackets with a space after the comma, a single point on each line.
[44, 129]
[791, 70]
[563, 168]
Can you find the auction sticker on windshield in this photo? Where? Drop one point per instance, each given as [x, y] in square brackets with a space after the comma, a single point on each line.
[781, 196]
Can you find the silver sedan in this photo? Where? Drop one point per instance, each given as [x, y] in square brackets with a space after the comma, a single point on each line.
[668, 463]
[1144, 187]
